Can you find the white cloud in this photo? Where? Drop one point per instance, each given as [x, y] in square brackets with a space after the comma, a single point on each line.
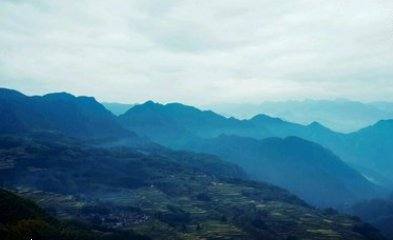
[199, 52]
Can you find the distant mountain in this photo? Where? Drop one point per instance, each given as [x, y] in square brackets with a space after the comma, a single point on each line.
[340, 115]
[186, 127]
[276, 127]
[383, 106]
[81, 117]
[117, 108]
[164, 195]
[173, 123]
[371, 148]
[303, 167]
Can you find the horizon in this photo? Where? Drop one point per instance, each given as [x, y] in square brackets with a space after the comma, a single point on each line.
[237, 111]
[199, 105]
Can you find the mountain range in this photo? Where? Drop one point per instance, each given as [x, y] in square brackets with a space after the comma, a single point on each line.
[184, 127]
[369, 150]
[57, 145]
[340, 114]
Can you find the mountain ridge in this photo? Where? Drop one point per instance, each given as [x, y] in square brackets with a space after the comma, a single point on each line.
[260, 127]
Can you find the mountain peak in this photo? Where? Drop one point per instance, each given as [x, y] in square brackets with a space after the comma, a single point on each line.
[10, 93]
[315, 124]
[59, 96]
[80, 117]
[150, 102]
[385, 122]
[266, 119]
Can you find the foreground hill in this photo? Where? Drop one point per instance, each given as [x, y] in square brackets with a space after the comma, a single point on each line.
[162, 194]
[23, 219]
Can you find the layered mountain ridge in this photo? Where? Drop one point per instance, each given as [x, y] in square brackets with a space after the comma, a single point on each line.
[59, 145]
[185, 127]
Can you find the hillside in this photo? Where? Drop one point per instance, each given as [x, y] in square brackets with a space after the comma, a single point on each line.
[165, 195]
[23, 219]
[369, 150]
[185, 127]
[305, 168]
[378, 212]
[371, 147]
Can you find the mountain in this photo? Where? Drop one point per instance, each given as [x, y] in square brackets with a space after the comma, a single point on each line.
[81, 117]
[69, 154]
[185, 127]
[341, 115]
[67, 165]
[173, 123]
[117, 108]
[161, 194]
[383, 106]
[305, 168]
[276, 127]
[179, 123]
[370, 148]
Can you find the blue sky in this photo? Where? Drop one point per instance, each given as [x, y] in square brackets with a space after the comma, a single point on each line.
[199, 52]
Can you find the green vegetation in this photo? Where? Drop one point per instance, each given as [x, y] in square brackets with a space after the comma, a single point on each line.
[22, 219]
[157, 193]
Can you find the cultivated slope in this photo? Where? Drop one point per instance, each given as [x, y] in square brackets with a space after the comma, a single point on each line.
[165, 195]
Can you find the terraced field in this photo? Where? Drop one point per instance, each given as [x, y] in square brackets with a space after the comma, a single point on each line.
[226, 211]
[165, 196]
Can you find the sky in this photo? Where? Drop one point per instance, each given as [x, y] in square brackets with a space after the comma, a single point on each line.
[199, 51]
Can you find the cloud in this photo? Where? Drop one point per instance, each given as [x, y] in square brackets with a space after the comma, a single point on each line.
[199, 52]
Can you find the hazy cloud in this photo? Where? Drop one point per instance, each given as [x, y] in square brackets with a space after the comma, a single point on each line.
[199, 52]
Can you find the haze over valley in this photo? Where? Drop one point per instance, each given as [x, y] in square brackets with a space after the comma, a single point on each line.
[196, 120]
